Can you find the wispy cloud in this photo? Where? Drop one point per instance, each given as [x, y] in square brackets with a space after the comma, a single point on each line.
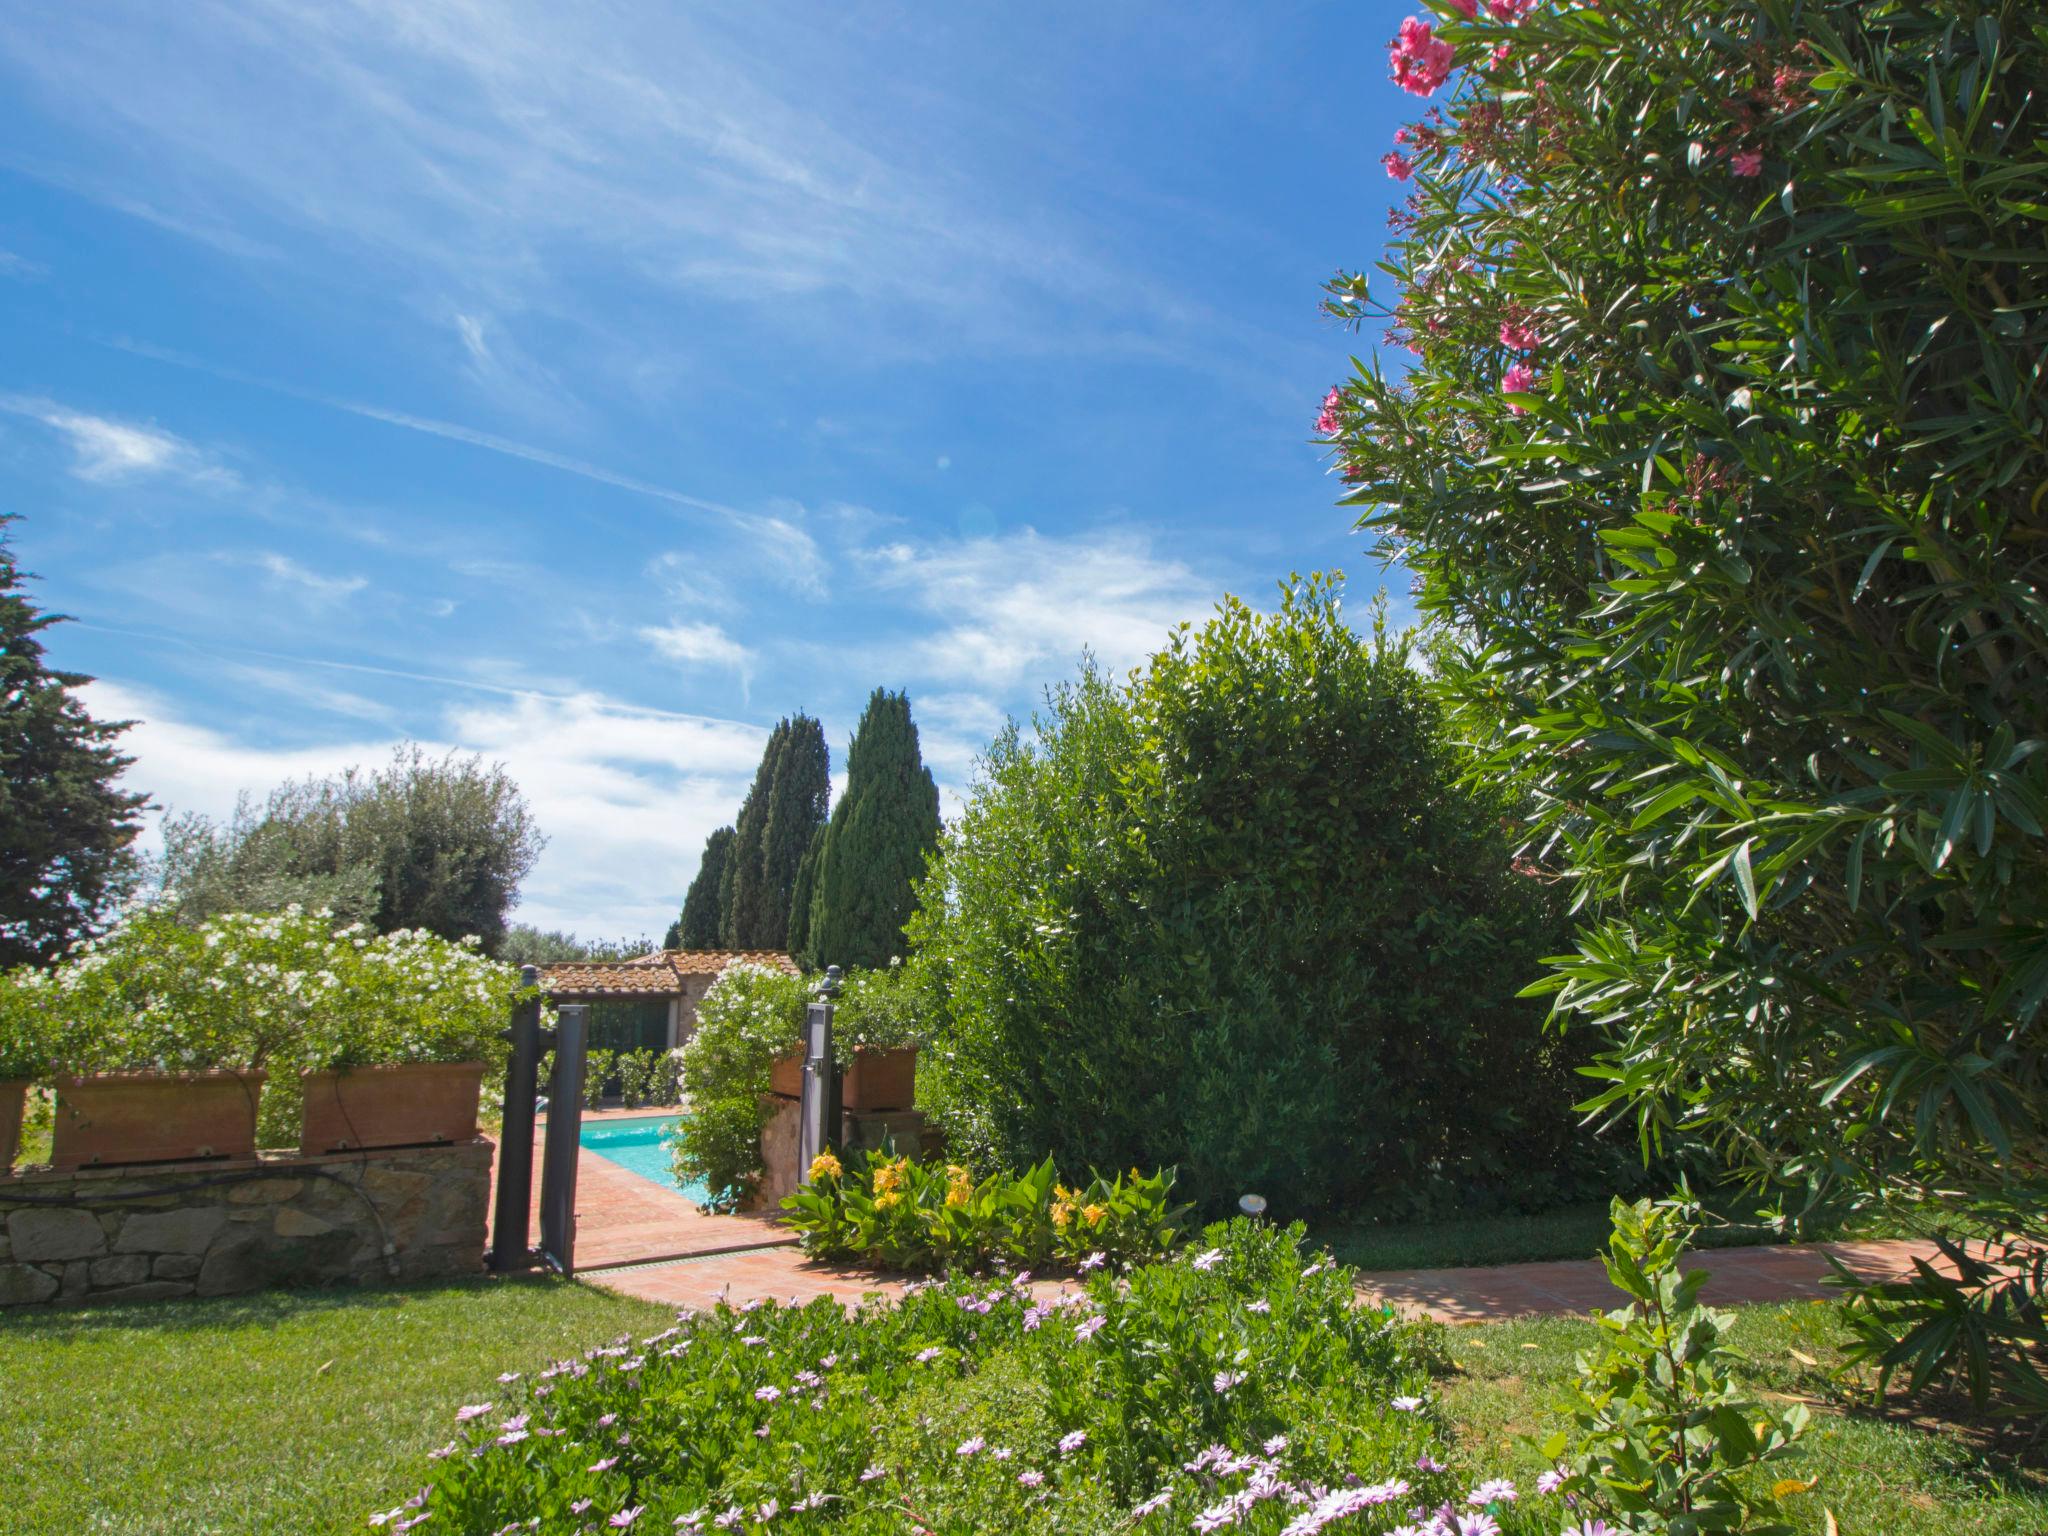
[1013, 609]
[106, 451]
[324, 589]
[696, 644]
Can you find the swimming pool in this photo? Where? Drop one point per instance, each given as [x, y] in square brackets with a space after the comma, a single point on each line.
[640, 1146]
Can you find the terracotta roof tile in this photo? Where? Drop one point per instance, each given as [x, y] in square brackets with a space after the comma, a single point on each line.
[657, 975]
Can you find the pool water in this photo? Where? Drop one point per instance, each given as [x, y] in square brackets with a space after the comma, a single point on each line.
[641, 1146]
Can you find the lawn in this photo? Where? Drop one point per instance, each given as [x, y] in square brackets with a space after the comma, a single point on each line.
[285, 1414]
[300, 1413]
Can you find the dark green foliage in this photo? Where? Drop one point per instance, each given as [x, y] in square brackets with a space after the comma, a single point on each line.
[796, 811]
[433, 843]
[1238, 915]
[700, 923]
[526, 945]
[783, 808]
[1754, 590]
[65, 830]
[801, 899]
[876, 844]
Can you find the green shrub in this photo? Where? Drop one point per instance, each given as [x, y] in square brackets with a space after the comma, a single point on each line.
[1751, 566]
[904, 1215]
[1662, 1438]
[597, 1074]
[751, 1015]
[1240, 1387]
[1238, 915]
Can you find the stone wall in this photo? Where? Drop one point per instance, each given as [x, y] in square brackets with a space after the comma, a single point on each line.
[217, 1228]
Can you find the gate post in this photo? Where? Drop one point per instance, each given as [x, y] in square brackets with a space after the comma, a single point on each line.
[509, 1249]
[565, 1130]
[818, 1113]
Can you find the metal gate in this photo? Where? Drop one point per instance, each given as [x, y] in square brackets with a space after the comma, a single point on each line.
[569, 1040]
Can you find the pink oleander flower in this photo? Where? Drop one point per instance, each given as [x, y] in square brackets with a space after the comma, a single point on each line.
[1519, 379]
[1420, 60]
[1398, 165]
[1510, 11]
[1500, 54]
[1517, 334]
[1328, 424]
[1746, 162]
[1469, 9]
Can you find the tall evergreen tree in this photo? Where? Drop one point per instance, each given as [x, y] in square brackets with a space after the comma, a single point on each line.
[876, 842]
[736, 885]
[796, 814]
[698, 926]
[782, 813]
[65, 830]
[800, 900]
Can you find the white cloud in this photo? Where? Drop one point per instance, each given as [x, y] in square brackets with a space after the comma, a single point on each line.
[105, 451]
[626, 796]
[1019, 609]
[696, 643]
[323, 589]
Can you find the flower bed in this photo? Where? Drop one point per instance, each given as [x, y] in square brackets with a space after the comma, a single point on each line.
[905, 1215]
[1238, 1387]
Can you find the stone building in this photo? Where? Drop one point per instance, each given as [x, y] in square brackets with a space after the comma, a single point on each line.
[649, 1002]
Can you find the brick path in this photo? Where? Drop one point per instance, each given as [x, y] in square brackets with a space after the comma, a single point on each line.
[1449, 1295]
[622, 1218]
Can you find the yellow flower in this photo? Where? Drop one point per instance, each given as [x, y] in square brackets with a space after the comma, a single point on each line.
[825, 1166]
[956, 1196]
[1094, 1214]
[886, 1199]
[887, 1177]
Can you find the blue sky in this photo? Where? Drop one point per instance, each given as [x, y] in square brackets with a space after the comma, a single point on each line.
[591, 385]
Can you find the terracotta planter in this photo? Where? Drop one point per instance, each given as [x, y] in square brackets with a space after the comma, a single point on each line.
[154, 1117]
[880, 1080]
[411, 1105]
[786, 1076]
[13, 1102]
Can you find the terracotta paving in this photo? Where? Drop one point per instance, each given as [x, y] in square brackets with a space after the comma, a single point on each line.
[1449, 1295]
[1580, 1285]
[622, 1218]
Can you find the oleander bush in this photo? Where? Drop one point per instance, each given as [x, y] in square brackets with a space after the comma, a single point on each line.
[1238, 914]
[751, 1015]
[597, 1072]
[904, 1215]
[285, 991]
[1237, 1387]
[1721, 451]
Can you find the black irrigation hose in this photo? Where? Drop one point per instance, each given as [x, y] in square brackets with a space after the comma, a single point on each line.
[78, 1198]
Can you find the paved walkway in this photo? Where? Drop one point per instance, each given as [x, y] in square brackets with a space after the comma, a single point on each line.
[622, 1218]
[1449, 1295]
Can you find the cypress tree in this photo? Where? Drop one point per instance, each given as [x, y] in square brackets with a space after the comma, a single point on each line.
[800, 902]
[739, 881]
[796, 813]
[698, 926]
[782, 813]
[65, 830]
[876, 842]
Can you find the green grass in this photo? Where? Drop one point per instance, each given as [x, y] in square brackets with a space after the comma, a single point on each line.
[1875, 1475]
[287, 1414]
[296, 1414]
[1569, 1232]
